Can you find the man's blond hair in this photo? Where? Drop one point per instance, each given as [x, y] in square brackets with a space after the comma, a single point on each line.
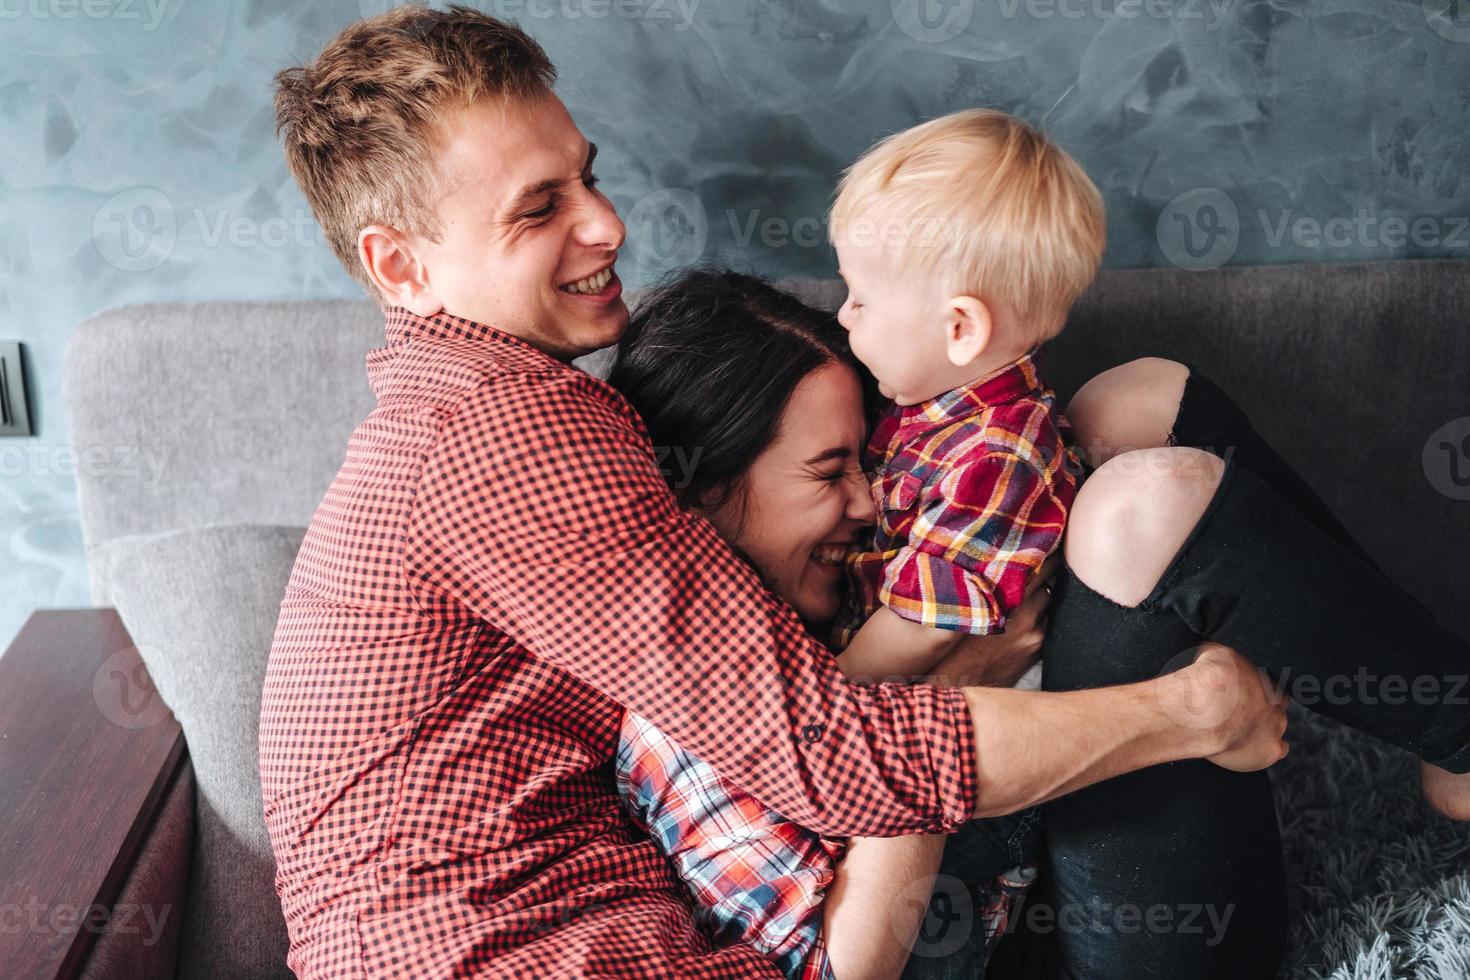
[986, 202]
[359, 122]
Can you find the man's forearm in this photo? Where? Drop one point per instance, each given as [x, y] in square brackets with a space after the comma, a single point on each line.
[1033, 746]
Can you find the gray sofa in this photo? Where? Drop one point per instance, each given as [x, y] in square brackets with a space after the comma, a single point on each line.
[238, 416]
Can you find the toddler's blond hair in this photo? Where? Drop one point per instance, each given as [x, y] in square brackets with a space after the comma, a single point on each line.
[985, 201]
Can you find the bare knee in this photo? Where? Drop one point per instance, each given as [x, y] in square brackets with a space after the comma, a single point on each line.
[1131, 406]
[1447, 792]
[1133, 515]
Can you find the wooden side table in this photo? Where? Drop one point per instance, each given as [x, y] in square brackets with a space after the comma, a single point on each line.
[88, 753]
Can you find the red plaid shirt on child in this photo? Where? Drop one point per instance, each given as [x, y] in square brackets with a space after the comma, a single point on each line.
[972, 490]
[497, 570]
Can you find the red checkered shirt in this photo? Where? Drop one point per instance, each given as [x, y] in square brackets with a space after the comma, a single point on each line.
[497, 570]
[972, 490]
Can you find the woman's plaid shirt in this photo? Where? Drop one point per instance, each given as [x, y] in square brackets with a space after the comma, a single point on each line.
[497, 571]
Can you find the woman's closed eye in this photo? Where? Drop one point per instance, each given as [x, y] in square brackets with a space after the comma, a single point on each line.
[842, 475]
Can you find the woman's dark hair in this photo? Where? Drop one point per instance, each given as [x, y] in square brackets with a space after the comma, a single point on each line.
[710, 359]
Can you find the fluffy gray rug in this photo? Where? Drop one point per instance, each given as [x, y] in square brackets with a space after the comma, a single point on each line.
[1380, 883]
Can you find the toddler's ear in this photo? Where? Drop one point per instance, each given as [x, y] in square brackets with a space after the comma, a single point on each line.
[967, 329]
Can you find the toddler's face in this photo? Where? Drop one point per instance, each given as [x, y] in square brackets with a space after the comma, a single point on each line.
[894, 320]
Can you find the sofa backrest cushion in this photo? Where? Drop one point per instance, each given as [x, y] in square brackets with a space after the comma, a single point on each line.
[212, 413]
[195, 414]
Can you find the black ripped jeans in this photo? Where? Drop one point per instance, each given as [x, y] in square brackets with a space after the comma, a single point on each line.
[1176, 870]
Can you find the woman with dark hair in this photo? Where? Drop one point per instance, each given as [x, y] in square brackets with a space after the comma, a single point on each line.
[711, 361]
[759, 393]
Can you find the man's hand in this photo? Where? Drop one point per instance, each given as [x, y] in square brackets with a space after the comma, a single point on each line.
[1033, 746]
[999, 660]
[1230, 702]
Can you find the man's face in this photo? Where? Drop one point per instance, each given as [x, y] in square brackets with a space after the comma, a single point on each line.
[524, 229]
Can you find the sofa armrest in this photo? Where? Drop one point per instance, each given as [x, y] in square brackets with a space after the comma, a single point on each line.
[88, 754]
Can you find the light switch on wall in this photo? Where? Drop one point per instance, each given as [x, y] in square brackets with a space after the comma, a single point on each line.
[15, 416]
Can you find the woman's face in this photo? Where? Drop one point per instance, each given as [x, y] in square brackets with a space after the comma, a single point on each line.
[805, 498]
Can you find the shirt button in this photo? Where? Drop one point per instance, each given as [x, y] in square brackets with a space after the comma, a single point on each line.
[812, 733]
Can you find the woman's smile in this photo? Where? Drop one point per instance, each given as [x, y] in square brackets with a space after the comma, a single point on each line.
[829, 558]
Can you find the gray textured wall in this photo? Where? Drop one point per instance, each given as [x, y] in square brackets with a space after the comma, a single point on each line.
[138, 161]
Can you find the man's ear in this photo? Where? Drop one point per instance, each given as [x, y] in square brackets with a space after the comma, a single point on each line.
[967, 329]
[393, 266]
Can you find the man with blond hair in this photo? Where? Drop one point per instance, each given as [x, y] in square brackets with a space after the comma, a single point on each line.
[499, 570]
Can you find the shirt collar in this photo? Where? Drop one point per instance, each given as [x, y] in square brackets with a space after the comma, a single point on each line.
[405, 325]
[1003, 385]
